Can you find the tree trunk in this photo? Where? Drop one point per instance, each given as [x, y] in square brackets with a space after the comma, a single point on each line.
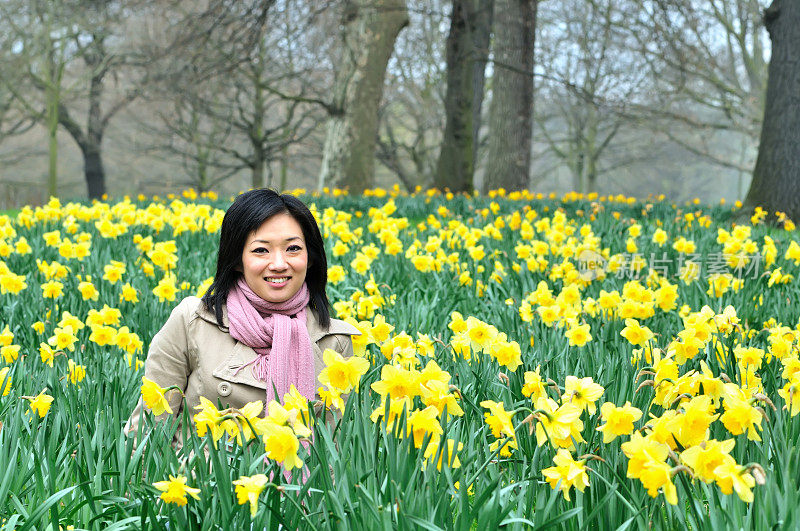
[259, 158]
[591, 176]
[256, 132]
[465, 78]
[92, 152]
[257, 173]
[284, 168]
[52, 145]
[370, 31]
[54, 74]
[510, 117]
[94, 172]
[776, 178]
[482, 22]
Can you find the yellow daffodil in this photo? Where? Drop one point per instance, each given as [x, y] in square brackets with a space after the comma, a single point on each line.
[740, 416]
[175, 490]
[153, 396]
[446, 451]
[40, 404]
[397, 382]
[209, 417]
[582, 392]
[733, 477]
[618, 420]
[422, 423]
[281, 445]
[578, 335]
[561, 425]
[498, 419]
[76, 372]
[635, 333]
[437, 394]
[567, 473]
[47, 354]
[4, 377]
[534, 386]
[248, 488]
[704, 458]
[52, 289]
[9, 353]
[88, 290]
[342, 374]
[6, 336]
[129, 293]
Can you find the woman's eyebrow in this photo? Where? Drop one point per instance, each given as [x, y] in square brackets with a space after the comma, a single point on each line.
[291, 238]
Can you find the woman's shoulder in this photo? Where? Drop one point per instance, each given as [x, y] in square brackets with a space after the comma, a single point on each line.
[192, 307]
[343, 327]
[336, 327]
[189, 305]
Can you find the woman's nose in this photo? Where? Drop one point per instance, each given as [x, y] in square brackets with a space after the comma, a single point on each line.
[277, 263]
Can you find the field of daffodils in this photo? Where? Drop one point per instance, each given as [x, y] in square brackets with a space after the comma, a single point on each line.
[526, 361]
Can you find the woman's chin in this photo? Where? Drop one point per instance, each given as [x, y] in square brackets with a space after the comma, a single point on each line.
[277, 294]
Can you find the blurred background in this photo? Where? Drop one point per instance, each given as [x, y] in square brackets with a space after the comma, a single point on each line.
[150, 96]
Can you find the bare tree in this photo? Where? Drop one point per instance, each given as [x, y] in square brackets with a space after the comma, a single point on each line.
[240, 102]
[368, 33]
[411, 116]
[708, 63]
[13, 121]
[72, 55]
[34, 65]
[776, 179]
[588, 88]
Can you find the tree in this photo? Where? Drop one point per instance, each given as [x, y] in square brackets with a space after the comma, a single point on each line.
[707, 61]
[368, 33]
[588, 87]
[241, 102]
[12, 120]
[411, 116]
[510, 113]
[38, 62]
[776, 178]
[467, 53]
[73, 42]
[187, 130]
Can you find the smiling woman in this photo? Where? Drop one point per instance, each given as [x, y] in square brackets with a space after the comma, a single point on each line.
[264, 322]
[274, 260]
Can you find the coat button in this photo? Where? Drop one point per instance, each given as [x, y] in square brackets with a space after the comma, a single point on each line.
[224, 389]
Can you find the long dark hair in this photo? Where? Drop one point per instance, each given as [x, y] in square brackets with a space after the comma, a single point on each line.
[247, 213]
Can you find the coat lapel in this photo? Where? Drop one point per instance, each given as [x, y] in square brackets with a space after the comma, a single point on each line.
[233, 370]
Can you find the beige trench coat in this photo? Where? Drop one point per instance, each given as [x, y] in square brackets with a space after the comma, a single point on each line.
[192, 352]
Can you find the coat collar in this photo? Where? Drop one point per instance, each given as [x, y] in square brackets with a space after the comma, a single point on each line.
[315, 329]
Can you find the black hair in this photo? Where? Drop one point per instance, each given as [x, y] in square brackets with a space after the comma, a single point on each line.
[247, 213]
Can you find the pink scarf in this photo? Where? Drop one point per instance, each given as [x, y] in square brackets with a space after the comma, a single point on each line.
[278, 334]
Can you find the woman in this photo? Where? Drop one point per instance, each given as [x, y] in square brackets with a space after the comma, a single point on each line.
[264, 321]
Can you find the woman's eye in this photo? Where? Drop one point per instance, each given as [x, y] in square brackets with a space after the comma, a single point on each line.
[294, 248]
[260, 250]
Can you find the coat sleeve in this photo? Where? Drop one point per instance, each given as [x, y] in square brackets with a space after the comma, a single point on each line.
[344, 345]
[167, 364]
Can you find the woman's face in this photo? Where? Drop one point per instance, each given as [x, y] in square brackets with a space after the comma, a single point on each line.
[275, 259]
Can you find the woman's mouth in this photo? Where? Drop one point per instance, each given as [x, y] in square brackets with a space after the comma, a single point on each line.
[277, 281]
